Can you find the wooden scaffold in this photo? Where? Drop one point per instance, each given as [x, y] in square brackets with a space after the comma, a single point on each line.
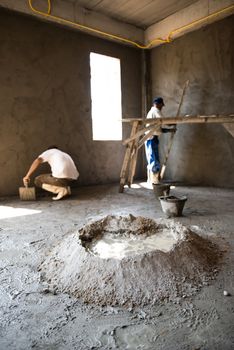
[142, 129]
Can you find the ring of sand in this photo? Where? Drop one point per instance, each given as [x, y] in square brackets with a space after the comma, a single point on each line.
[130, 261]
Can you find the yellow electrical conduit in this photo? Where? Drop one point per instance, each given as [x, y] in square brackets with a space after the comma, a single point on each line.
[116, 37]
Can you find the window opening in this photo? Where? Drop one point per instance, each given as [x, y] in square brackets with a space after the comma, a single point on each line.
[106, 97]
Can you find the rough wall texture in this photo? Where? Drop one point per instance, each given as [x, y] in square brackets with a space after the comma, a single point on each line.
[201, 154]
[45, 99]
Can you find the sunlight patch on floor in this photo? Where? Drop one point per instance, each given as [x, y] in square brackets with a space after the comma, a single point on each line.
[11, 212]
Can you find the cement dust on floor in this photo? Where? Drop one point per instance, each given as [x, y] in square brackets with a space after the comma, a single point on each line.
[35, 317]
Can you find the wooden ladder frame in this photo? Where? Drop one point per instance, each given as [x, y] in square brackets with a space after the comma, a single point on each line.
[130, 159]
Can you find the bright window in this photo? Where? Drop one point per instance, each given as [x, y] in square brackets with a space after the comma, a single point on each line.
[106, 97]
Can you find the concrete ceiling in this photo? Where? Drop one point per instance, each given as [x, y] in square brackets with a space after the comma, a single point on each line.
[140, 23]
[141, 13]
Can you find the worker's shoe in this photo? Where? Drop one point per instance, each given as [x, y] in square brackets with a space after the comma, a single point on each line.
[60, 191]
[148, 176]
[155, 177]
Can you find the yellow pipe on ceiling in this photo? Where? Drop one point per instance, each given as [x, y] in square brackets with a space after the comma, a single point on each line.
[119, 38]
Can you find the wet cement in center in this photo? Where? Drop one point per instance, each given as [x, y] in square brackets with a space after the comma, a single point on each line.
[118, 247]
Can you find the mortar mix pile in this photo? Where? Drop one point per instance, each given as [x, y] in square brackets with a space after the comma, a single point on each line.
[130, 261]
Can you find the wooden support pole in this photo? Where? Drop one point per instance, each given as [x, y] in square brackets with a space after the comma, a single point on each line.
[132, 165]
[172, 134]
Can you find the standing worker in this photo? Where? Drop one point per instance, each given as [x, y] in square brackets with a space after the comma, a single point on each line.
[151, 145]
[63, 172]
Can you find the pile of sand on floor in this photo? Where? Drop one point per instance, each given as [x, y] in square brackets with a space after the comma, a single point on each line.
[140, 278]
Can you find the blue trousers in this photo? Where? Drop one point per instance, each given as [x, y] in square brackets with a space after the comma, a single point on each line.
[152, 154]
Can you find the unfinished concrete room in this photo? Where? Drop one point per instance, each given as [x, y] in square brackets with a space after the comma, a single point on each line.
[117, 174]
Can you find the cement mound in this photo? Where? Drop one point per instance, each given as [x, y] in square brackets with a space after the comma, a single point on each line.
[142, 275]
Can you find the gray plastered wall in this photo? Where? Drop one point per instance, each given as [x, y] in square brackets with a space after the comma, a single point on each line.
[45, 99]
[201, 154]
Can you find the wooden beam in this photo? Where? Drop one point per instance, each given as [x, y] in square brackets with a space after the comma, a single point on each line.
[218, 118]
[201, 119]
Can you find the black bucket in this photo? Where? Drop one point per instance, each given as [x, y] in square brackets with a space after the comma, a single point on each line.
[172, 206]
[161, 190]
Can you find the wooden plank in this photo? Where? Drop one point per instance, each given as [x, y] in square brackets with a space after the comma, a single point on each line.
[140, 133]
[181, 120]
[132, 165]
[172, 120]
[132, 119]
[163, 167]
[123, 173]
[145, 138]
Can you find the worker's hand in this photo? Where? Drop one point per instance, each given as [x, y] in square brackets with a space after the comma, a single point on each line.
[26, 181]
[173, 127]
[165, 130]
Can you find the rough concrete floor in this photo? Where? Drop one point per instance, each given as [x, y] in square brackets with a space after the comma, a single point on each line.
[31, 318]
